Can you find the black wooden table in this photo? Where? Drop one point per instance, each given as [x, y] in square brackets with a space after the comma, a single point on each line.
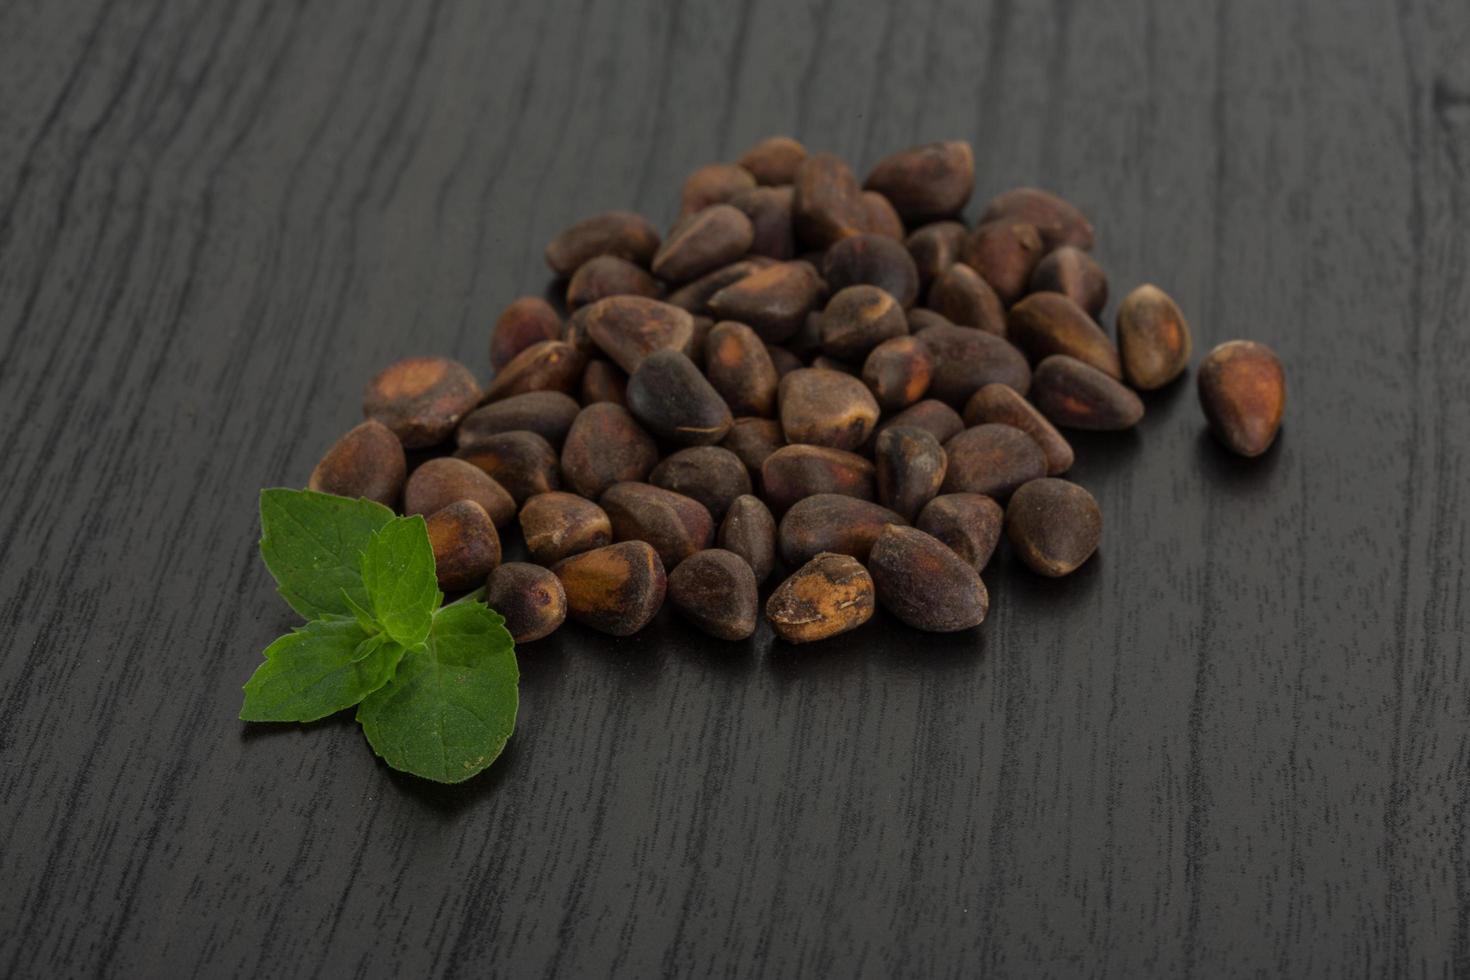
[1236, 744]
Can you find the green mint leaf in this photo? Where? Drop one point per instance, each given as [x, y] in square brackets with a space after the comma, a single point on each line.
[398, 573]
[318, 670]
[449, 710]
[313, 544]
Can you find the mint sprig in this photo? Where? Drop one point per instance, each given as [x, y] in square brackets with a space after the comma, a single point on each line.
[435, 686]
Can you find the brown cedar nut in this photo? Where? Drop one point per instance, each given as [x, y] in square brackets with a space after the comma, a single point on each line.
[620, 233]
[749, 531]
[1054, 526]
[753, 439]
[703, 241]
[465, 545]
[366, 462]
[677, 526]
[551, 365]
[709, 474]
[935, 247]
[1058, 221]
[1079, 396]
[549, 414]
[822, 407]
[1000, 403]
[992, 459]
[675, 402]
[1043, 324]
[1075, 274]
[421, 399]
[829, 203]
[966, 300]
[898, 372]
[774, 160]
[874, 260]
[605, 446]
[769, 211]
[968, 523]
[859, 318]
[739, 367]
[966, 360]
[716, 591]
[832, 522]
[530, 598]
[1242, 389]
[830, 594]
[793, 472]
[773, 301]
[557, 525]
[694, 296]
[1004, 253]
[629, 328]
[616, 589]
[910, 465]
[714, 183]
[521, 462]
[882, 219]
[783, 359]
[931, 415]
[603, 381]
[924, 583]
[526, 321]
[1153, 338]
[609, 275]
[926, 182]
[437, 483]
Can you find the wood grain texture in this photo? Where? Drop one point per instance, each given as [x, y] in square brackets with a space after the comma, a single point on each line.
[1235, 744]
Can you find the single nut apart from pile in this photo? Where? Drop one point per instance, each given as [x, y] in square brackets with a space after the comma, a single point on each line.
[811, 371]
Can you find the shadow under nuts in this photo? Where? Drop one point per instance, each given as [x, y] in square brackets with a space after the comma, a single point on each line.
[1079, 396]
[924, 584]
[530, 598]
[675, 525]
[616, 589]
[421, 399]
[1242, 389]
[465, 544]
[366, 462]
[832, 522]
[558, 525]
[826, 408]
[716, 591]
[1054, 526]
[830, 594]
[675, 402]
[1153, 338]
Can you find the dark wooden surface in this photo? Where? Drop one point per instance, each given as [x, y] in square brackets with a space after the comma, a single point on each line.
[1236, 744]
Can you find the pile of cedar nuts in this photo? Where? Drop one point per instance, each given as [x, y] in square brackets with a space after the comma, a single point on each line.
[805, 369]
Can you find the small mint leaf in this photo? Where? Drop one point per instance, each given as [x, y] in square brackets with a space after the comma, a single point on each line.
[449, 710]
[318, 670]
[313, 544]
[398, 574]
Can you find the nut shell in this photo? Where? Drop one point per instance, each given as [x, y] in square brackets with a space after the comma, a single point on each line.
[558, 525]
[437, 483]
[924, 584]
[530, 598]
[716, 591]
[1242, 389]
[465, 543]
[617, 589]
[368, 461]
[1053, 525]
[829, 595]
[421, 399]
